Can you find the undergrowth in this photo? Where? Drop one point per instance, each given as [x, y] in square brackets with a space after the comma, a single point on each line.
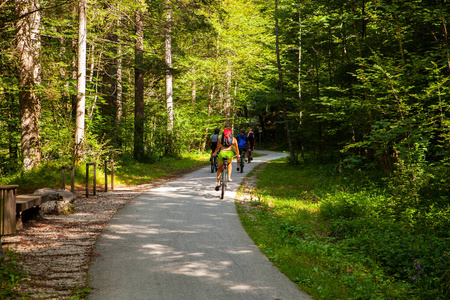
[127, 171]
[10, 275]
[347, 237]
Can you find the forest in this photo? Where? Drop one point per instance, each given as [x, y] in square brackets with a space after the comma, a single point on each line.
[361, 85]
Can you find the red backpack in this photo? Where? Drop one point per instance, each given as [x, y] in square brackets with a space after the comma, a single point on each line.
[227, 138]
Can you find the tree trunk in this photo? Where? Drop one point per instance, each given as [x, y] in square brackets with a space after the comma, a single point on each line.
[300, 100]
[74, 49]
[293, 157]
[139, 88]
[109, 86]
[211, 99]
[169, 86]
[119, 98]
[445, 33]
[81, 81]
[227, 98]
[29, 67]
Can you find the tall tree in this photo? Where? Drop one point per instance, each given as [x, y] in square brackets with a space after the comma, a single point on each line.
[81, 81]
[169, 77]
[29, 67]
[119, 98]
[139, 86]
[293, 156]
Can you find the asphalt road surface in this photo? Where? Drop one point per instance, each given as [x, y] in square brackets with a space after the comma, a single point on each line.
[181, 241]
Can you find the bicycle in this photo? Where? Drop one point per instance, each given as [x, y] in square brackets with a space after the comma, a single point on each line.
[241, 161]
[224, 177]
[214, 165]
[249, 156]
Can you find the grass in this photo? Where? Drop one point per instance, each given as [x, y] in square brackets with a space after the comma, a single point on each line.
[334, 236]
[10, 275]
[126, 172]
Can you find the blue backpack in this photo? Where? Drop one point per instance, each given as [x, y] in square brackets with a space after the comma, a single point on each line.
[242, 141]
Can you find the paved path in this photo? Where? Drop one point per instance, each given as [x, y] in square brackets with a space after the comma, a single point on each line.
[180, 241]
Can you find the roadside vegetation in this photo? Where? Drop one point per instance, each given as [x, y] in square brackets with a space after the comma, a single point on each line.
[343, 234]
[10, 274]
[127, 171]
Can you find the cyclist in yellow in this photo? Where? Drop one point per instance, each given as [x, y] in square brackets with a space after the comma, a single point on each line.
[225, 145]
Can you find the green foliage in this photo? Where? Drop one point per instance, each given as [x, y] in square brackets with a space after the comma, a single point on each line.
[79, 294]
[338, 235]
[127, 171]
[10, 275]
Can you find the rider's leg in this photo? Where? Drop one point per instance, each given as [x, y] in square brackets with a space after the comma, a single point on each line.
[219, 173]
[229, 170]
[239, 162]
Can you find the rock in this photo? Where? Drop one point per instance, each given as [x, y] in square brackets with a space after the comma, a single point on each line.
[59, 201]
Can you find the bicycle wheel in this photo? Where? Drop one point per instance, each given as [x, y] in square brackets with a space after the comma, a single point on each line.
[242, 165]
[223, 183]
[213, 167]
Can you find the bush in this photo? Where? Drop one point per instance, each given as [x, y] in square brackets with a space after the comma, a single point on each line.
[9, 276]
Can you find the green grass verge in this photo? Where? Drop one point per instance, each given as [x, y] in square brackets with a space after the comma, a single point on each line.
[337, 238]
[126, 172]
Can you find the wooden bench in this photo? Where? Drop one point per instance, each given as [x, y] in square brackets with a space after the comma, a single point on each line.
[7, 209]
[28, 206]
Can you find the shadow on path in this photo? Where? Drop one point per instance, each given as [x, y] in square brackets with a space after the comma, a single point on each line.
[180, 241]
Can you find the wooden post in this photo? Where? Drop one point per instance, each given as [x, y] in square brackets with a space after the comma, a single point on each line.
[72, 178]
[106, 174]
[87, 180]
[94, 179]
[112, 175]
[63, 178]
[8, 209]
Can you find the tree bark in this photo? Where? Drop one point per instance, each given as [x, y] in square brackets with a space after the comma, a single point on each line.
[81, 81]
[119, 98]
[139, 88]
[29, 72]
[168, 60]
[227, 98]
[169, 78]
[211, 99]
[109, 85]
[300, 100]
[293, 157]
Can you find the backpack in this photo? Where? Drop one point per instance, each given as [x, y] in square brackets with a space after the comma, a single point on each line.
[227, 138]
[251, 136]
[242, 141]
[214, 138]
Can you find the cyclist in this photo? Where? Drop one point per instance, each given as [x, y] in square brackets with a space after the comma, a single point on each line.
[242, 144]
[251, 142]
[213, 143]
[225, 146]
